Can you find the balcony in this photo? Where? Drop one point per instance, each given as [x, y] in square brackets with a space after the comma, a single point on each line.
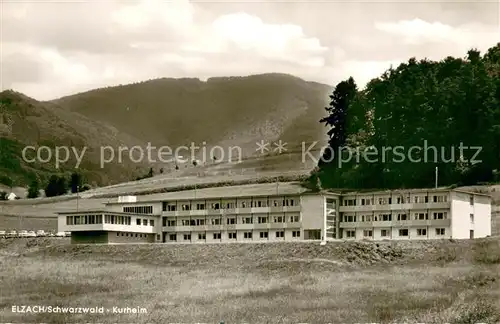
[245, 226]
[262, 226]
[408, 223]
[277, 225]
[395, 207]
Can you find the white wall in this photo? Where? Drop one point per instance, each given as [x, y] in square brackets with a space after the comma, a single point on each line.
[461, 209]
[313, 213]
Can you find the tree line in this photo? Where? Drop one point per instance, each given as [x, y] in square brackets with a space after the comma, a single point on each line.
[57, 185]
[412, 119]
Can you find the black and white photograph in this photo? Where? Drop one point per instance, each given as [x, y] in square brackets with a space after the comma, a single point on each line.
[250, 162]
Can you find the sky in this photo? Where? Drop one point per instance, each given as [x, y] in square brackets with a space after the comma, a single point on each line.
[52, 49]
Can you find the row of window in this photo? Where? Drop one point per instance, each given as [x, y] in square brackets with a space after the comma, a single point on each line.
[231, 205]
[130, 234]
[402, 232]
[230, 221]
[138, 210]
[119, 220]
[232, 235]
[108, 219]
[395, 200]
[389, 217]
[84, 220]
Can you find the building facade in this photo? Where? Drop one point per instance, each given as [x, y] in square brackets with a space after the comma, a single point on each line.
[415, 214]
[281, 212]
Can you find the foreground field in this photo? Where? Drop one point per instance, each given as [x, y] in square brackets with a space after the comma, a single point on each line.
[456, 282]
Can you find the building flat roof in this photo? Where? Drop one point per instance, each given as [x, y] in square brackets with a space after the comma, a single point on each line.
[226, 192]
[414, 190]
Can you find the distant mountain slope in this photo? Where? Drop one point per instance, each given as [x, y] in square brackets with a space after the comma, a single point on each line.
[26, 121]
[224, 111]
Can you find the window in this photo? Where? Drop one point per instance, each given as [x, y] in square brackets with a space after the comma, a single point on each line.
[215, 206]
[349, 218]
[440, 231]
[201, 236]
[384, 201]
[264, 234]
[200, 222]
[186, 207]
[384, 233]
[171, 208]
[280, 234]
[232, 235]
[403, 232]
[440, 198]
[231, 221]
[349, 202]
[402, 217]
[367, 233]
[421, 216]
[216, 236]
[151, 222]
[145, 222]
[278, 219]
[137, 222]
[171, 223]
[185, 222]
[471, 200]
[386, 217]
[472, 218]
[421, 231]
[296, 234]
[247, 220]
[216, 221]
[187, 237]
[421, 199]
[230, 205]
[200, 206]
[138, 209]
[262, 220]
[440, 215]
[247, 235]
[260, 203]
[350, 234]
[294, 219]
[192, 222]
[243, 204]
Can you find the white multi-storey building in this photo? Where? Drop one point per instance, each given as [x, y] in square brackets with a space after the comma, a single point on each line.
[281, 212]
[415, 214]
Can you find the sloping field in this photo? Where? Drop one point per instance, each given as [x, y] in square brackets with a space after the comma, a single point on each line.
[41, 216]
[169, 183]
[342, 282]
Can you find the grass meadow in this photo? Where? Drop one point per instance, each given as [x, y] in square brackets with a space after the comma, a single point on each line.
[453, 282]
